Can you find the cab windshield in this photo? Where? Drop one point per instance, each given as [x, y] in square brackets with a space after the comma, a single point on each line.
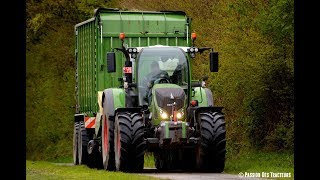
[160, 65]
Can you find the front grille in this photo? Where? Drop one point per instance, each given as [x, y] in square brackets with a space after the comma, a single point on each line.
[163, 98]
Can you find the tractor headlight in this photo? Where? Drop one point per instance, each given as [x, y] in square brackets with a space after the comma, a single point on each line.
[180, 114]
[163, 114]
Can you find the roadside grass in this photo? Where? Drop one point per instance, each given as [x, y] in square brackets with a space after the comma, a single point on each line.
[50, 170]
[62, 159]
[149, 160]
[261, 162]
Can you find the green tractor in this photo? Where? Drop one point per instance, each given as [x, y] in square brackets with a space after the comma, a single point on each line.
[156, 108]
[167, 113]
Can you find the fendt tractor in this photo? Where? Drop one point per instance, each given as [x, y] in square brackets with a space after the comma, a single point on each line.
[135, 94]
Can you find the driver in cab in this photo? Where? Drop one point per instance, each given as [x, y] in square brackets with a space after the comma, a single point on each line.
[155, 75]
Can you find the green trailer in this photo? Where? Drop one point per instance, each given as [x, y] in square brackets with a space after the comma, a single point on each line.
[135, 93]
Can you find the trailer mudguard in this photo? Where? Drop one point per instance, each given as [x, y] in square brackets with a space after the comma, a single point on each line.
[78, 117]
[112, 99]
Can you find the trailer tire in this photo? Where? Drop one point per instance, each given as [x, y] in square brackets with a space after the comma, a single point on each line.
[210, 154]
[94, 155]
[75, 143]
[122, 142]
[108, 143]
[138, 142]
[82, 144]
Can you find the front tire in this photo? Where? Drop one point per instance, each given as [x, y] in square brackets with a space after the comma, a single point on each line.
[210, 154]
[219, 143]
[130, 144]
[138, 142]
[122, 142]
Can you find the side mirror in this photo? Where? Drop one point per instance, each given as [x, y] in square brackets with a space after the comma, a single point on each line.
[214, 61]
[111, 62]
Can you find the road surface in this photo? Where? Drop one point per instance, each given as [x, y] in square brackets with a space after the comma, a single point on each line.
[180, 175]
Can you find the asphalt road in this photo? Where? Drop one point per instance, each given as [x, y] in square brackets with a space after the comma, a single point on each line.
[180, 175]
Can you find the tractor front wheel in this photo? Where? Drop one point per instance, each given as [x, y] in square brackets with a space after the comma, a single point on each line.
[210, 154]
[130, 144]
[122, 142]
[138, 142]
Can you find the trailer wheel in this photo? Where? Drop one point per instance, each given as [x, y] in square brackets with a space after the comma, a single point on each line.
[75, 143]
[122, 142]
[210, 154]
[108, 143]
[138, 142]
[82, 144]
[94, 155]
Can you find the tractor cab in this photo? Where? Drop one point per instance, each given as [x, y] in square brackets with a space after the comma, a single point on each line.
[160, 65]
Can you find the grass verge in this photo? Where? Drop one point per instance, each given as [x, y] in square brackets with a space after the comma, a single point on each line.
[267, 163]
[50, 170]
[149, 160]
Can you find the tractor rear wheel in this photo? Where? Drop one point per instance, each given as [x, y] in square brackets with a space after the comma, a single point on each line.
[75, 143]
[82, 144]
[108, 143]
[122, 142]
[210, 154]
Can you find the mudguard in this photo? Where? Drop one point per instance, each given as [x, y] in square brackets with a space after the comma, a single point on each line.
[204, 97]
[112, 99]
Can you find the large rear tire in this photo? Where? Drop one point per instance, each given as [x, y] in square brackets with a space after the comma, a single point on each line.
[82, 144]
[210, 154]
[108, 143]
[75, 143]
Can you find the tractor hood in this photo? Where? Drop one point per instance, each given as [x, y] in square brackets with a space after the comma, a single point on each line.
[166, 94]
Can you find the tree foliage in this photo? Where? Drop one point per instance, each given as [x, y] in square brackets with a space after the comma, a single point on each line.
[50, 74]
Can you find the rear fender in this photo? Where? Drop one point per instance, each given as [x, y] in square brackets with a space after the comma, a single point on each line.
[129, 109]
[203, 96]
[112, 99]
